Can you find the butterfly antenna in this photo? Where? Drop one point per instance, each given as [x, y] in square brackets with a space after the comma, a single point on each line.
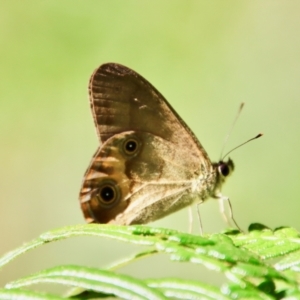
[254, 138]
[231, 128]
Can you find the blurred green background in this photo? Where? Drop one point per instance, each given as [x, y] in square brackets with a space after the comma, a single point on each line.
[205, 57]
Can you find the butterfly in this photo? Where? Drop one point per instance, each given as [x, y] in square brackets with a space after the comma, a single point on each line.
[149, 163]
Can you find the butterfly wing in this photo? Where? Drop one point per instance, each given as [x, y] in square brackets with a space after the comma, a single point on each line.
[122, 100]
[158, 177]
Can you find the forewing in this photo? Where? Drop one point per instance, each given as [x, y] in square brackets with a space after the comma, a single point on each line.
[122, 100]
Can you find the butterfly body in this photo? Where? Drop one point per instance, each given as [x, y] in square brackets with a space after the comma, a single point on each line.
[149, 163]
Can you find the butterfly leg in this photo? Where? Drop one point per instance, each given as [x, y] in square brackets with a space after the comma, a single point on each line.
[190, 212]
[221, 200]
[199, 218]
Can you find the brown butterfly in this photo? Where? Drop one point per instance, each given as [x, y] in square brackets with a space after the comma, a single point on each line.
[149, 163]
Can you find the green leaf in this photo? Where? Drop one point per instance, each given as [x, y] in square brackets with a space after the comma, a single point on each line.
[247, 261]
[269, 244]
[18, 294]
[186, 289]
[97, 280]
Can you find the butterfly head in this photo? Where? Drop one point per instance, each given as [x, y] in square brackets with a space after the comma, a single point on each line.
[223, 170]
